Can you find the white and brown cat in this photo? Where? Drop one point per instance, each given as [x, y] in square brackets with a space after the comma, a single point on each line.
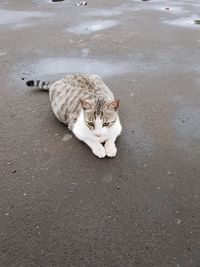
[88, 107]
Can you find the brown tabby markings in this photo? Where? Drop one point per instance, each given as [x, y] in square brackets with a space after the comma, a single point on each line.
[66, 93]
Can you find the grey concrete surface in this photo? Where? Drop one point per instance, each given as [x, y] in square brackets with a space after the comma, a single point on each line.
[60, 205]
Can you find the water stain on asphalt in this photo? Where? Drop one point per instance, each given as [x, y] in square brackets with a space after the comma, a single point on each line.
[51, 66]
[10, 17]
[184, 22]
[92, 26]
[103, 13]
[176, 10]
[23, 25]
[55, 68]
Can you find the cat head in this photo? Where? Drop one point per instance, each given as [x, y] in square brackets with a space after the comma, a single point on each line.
[100, 115]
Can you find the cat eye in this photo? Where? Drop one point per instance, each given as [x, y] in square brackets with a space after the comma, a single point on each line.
[105, 124]
[90, 124]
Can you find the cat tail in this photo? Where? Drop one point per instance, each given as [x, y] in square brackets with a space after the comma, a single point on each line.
[39, 84]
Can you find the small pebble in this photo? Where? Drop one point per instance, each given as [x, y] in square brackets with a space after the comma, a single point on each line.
[66, 137]
[14, 171]
[118, 187]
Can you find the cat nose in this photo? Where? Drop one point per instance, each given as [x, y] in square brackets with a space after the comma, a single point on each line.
[98, 134]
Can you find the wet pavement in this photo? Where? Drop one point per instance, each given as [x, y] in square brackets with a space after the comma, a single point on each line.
[60, 205]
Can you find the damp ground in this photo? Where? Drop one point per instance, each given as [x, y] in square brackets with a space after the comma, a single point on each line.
[60, 205]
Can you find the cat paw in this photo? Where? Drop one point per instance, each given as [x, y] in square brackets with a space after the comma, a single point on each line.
[99, 151]
[111, 149]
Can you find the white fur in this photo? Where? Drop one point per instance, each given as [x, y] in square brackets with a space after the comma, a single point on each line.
[100, 135]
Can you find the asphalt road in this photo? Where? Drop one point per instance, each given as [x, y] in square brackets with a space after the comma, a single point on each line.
[59, 204]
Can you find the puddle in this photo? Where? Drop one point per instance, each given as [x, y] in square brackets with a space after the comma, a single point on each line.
[93, 26]
[166, 6]
[184, 22]
[55, 68]
[103, 13]
[177, 10]
[62, 66]
[8, 17]
[168, 2]
[170, 6]
[115, 11]
[23, 25]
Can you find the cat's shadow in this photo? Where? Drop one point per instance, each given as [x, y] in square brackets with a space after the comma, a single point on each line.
[51, 119]
[34, 91]
[55, 125]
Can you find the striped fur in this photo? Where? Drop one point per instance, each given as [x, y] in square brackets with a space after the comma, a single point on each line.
[39, 84]
[88, 107]
[65, 96]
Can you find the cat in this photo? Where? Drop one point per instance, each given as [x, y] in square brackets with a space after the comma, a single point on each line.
[88, 107]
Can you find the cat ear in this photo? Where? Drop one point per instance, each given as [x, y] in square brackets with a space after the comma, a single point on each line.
[85, 105]
[114, 105]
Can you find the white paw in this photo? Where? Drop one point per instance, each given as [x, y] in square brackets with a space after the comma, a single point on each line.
[99, 151]
[111, 149]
